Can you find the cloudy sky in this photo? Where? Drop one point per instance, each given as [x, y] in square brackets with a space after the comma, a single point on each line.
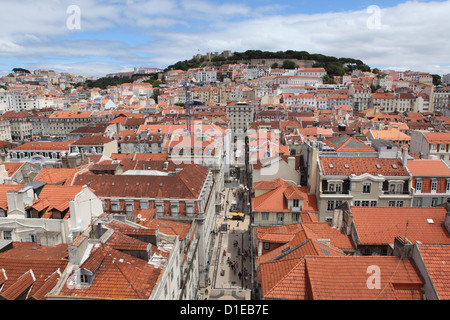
[98, 37]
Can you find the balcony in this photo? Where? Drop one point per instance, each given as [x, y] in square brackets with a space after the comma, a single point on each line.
[395, 194]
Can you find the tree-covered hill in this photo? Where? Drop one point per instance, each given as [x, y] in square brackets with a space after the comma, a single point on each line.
[333, 65]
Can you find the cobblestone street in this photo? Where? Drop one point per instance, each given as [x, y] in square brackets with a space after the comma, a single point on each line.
[230, 269]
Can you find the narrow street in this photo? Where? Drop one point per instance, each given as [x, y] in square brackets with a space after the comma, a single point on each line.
[230, 270]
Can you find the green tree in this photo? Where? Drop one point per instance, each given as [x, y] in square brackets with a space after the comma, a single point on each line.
[437, 80]
[289, 64]
[156, 93]
[21, 70]
[328, 80]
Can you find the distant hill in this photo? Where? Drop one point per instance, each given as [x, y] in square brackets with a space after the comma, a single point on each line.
[288, 59]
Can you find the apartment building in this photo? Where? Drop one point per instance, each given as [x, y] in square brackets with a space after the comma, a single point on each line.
[361, 97]
[366, 182]
[48, 153]
[240, 114]
[55, 216]
[186, 196]
[279, 202]
[94, 145]
[430, 182]
[5, 130]
[431, 144]
[21, 126]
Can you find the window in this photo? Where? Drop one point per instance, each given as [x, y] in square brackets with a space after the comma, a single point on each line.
[174, 206]
[129, 207]
[419, 185]
[338, 203]
[434, 202]
[399, 203]
[266, 245]
[447, 185]
[365, 203]
[114, 205]
[159, 207]
[265, 216]
[331, 187]
[338, 187]
[392, 188]
[442, 147]
[280, 218]
[84, 278]
[189, 208]
[418, 202]
[296, 203]
[434, 185]
[330, 205]
[366, 188]
[391, 203]
[295, 217]
[7, 235]
[144, 204]
[357, 203]
[373, 203]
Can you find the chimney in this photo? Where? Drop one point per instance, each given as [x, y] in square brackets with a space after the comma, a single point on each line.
[404, 156]
[291, 162]
[403, 248]
[77, 248]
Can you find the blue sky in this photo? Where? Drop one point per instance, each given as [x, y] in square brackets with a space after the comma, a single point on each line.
[114, 36]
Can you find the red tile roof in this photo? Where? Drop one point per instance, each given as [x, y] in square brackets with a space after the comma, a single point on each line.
[119, 276]
[275, 200]
[437, 262]
[27, 260]
[428, 167]
[92, 140]
[45, 145]
[340, 278]
[380, 225]
[56, 175]
[186, 184]
[55, 197]
[359, 166]
[437, 137]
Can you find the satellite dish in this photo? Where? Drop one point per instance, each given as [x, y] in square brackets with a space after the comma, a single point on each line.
[27, 200]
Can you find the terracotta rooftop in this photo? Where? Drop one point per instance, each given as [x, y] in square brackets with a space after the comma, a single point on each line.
[437, 137]
[358, 166]
[55, 197]
[275, 200]
[186, 184]
[340, 278]
[91, 140]
[45, 145]
[56, 175]
[31, 271]
[428, 167]
[437, 262]
[380, 225]
[118, 276]
[346, 143]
